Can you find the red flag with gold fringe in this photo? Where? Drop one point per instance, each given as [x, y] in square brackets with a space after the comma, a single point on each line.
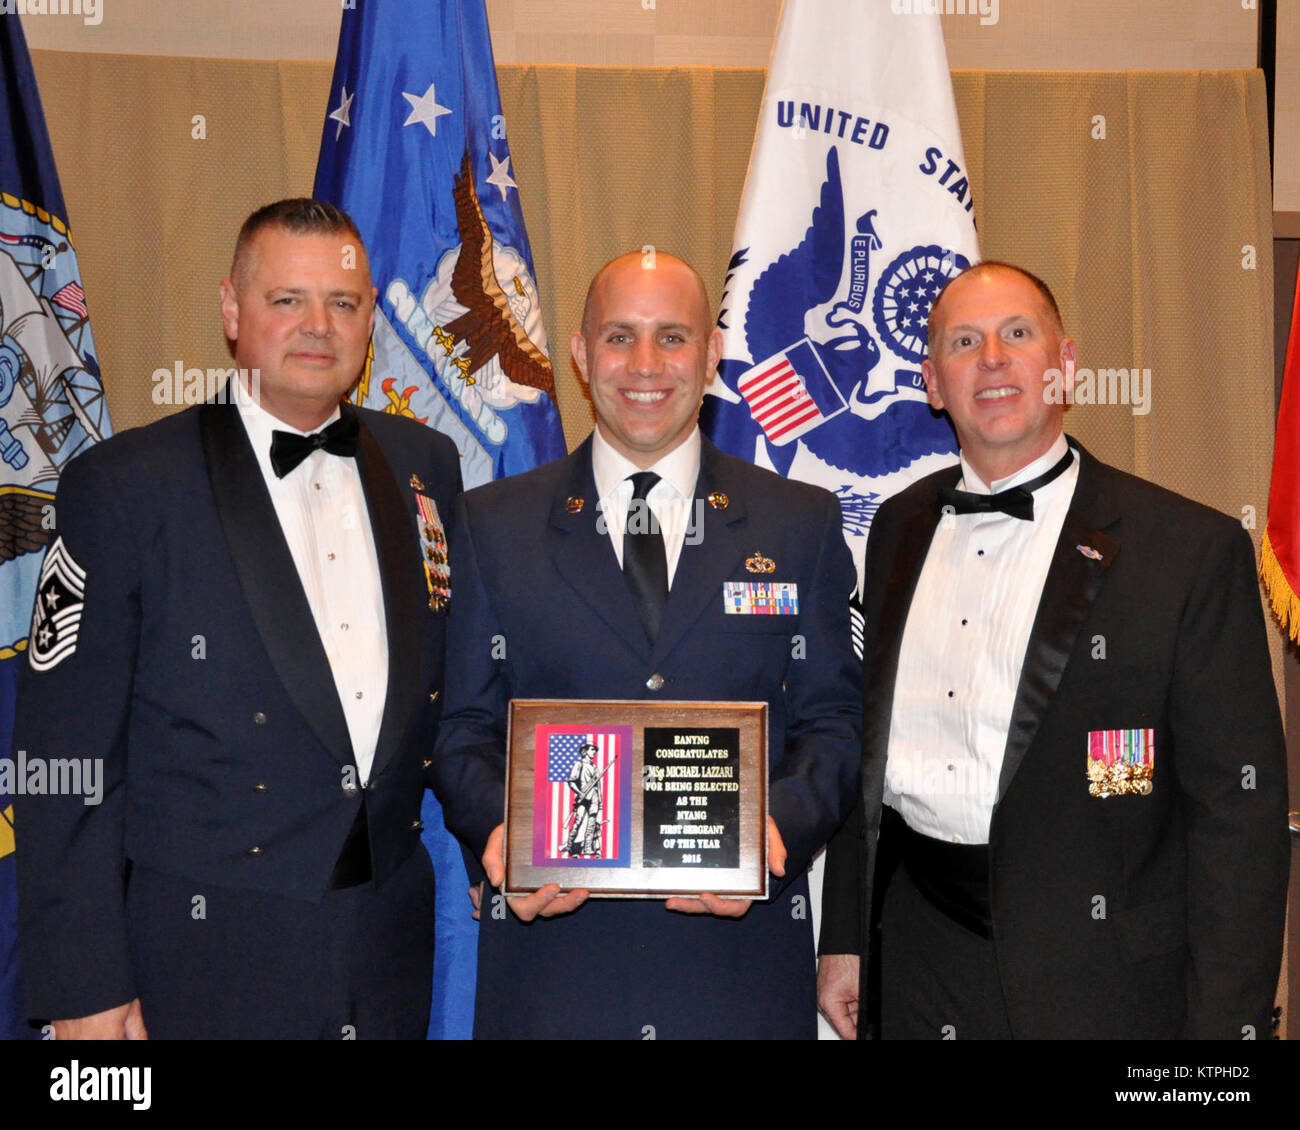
[1280, 554]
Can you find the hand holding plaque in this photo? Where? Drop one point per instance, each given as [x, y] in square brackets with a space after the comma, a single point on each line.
[546, 902]
[709, 903]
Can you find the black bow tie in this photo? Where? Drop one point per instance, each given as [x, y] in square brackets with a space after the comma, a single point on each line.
[1015, 501]
[289, 449]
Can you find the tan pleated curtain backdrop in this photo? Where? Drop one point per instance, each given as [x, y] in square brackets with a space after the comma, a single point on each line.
[1142, 198]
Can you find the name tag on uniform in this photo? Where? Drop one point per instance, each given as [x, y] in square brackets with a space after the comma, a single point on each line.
[760, 598]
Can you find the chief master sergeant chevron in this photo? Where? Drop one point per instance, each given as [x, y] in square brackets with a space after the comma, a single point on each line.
[254, 655]
[542, 563]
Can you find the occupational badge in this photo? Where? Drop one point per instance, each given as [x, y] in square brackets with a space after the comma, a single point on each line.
[759, 564]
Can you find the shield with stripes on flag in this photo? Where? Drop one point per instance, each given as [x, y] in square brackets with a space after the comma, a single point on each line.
[582, 796]
[790, 393]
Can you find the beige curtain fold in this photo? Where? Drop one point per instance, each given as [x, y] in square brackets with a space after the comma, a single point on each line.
[1140, 196]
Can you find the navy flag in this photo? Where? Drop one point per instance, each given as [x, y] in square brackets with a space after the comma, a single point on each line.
[414, 148]
[52, 408]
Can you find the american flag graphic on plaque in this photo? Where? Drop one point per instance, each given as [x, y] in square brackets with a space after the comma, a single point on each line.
[582, 796]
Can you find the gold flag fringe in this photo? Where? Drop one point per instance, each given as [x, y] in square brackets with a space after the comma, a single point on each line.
[1281, 595]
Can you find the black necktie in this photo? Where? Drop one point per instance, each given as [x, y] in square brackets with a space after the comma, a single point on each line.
[289, 449]
[1016, 501]
[645, 563]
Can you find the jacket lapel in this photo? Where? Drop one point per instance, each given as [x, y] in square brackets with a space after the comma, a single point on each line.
[1073, 581]
[403, 585]
[581, 552]
[269, 578]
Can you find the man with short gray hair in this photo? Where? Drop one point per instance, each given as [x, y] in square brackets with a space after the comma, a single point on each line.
[242, 620]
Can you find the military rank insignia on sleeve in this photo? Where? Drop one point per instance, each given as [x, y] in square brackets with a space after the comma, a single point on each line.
[1121, 762]
[60, 595]
[433, 553]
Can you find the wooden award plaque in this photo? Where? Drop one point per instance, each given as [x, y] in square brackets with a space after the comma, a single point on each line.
[637, 799]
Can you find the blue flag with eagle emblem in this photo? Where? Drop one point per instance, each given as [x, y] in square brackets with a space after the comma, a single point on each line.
[52, 408]
[857, 209]
[414, 148]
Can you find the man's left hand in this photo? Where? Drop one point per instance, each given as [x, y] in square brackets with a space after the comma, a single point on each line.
[734, 908]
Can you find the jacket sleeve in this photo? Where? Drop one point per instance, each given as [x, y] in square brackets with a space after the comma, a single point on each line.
[469, 758]
[443, 462]
[843, 889]
[1231, 767]
[815, 784]
[74, 705]
[849, 882]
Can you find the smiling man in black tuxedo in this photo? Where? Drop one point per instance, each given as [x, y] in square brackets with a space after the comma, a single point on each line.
[254, 659]
[1071, 735]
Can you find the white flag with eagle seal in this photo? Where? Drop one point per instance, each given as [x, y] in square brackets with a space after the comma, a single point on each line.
[857, 210]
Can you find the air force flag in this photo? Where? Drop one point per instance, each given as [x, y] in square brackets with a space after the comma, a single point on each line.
[857, 209]
[414, 147]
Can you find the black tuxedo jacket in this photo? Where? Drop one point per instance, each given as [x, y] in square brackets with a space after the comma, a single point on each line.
[200, 684]
[1128, 916]
[543, 611]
